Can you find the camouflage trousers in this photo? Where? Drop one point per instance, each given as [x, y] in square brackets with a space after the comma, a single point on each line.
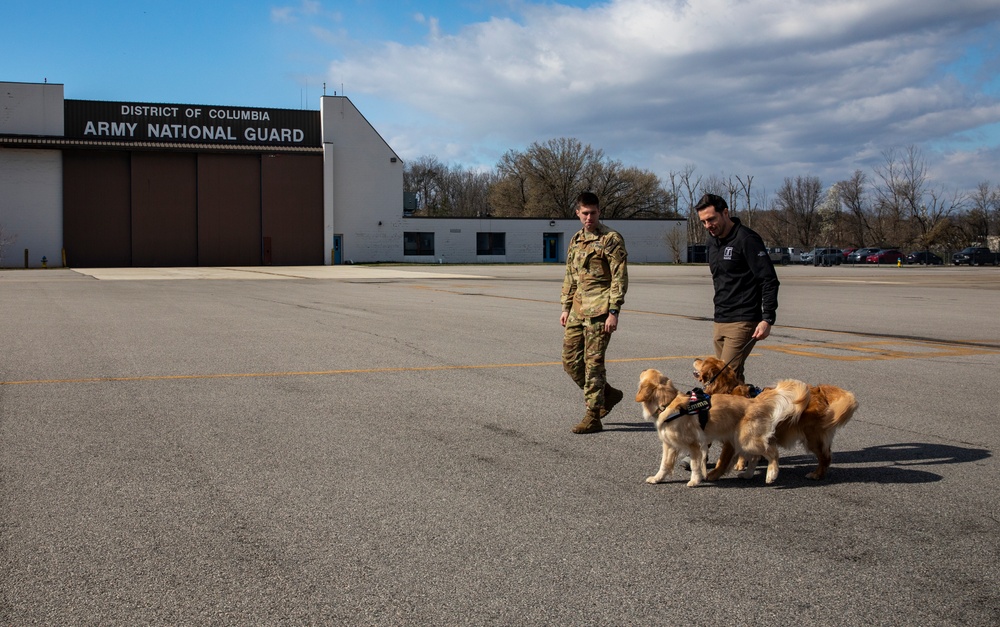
[584, 345]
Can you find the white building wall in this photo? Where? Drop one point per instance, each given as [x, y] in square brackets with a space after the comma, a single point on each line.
[30, 207]
[31, 109]
[364, 177]
[455, 238]
[30, 180]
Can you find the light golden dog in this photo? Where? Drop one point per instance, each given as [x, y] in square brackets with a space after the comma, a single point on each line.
[829, 409]
[747, 425]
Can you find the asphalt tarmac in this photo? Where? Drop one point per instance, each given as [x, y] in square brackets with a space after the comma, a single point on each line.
[390, 445]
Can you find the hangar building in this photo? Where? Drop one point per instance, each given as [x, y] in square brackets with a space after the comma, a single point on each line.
[115, 184]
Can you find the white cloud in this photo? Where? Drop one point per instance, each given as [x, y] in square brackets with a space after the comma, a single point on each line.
[758, 86]
[283, 15]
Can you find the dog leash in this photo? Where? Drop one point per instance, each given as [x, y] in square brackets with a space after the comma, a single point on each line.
[746, 351]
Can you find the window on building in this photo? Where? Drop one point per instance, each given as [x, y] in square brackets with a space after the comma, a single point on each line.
[491, 243]
[418, 244]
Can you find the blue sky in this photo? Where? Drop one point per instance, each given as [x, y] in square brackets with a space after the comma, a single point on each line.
[769, 88]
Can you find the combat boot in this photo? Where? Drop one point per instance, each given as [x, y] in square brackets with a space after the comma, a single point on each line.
[612, 397]
[591, 422]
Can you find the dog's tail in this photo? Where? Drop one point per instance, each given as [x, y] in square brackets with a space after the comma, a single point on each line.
[783, 403]
[796, 394]
[842, 407]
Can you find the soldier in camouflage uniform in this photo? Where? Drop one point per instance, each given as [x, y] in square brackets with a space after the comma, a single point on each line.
[592, 296]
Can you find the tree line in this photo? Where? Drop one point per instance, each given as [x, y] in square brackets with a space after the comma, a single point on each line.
[894, 204]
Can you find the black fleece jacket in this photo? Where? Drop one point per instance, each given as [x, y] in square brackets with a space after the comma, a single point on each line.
[746, 285]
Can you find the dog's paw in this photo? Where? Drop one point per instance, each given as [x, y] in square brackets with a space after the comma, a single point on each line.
[814, 475]
[746, 474]
[653, 479]
[693, 483]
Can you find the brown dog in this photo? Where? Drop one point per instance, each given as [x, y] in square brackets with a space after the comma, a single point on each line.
[744, 424]
[829, 409]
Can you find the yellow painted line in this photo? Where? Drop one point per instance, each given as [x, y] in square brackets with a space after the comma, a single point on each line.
[314, 373]
[878, 350]
[854, 351]
[865, 281]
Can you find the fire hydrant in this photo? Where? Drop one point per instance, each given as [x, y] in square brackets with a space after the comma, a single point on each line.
[45, 261]
[899, 262]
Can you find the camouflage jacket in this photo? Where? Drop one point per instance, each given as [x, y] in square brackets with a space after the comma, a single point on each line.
[596, 273]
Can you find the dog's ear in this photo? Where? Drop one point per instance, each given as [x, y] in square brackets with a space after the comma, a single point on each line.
[644, 393]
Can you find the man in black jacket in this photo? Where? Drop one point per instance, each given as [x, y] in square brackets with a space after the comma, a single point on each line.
[746, 285]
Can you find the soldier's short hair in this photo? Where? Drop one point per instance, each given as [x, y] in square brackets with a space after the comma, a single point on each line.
[588, 199]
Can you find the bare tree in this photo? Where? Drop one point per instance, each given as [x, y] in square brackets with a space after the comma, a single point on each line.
[902, 178]
[933, 217]
[797, 203]
[545, 179]
[6, 239]
[548, 178]
[854, 196]
[468, 192]
[425, 177]
[773, 228]
[686, 188]
[749, 208]
[984, 212]
[628, 192]
[674, 239]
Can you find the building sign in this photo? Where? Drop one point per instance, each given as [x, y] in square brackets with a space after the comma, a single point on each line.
[191, 124]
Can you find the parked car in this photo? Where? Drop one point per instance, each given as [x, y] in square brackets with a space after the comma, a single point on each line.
[975, 256]
[784, 255]
[806, 257]
[924, 258]
[861, 254]
[827, 256]
[847, 253]
[886, 255]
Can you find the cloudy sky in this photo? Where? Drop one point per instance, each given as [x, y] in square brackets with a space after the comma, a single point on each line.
[768, 88]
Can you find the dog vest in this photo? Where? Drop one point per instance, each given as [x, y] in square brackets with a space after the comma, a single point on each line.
[698, 404]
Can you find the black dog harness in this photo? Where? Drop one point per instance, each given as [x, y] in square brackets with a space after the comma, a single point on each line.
[698, 405]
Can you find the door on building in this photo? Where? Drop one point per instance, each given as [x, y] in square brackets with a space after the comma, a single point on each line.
[551, 247]
[338, 241]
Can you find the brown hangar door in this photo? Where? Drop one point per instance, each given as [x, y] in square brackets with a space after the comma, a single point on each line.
[229, 210]
[129, 208]
[97, 209]
[292, 208]
[164, 209]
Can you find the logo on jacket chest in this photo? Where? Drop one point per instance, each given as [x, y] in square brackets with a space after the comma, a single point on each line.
[727, 253]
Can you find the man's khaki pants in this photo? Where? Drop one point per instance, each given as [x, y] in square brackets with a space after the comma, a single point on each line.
[731, 339]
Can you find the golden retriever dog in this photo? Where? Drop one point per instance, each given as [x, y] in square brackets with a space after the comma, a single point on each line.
[745, 424]
[829, 409]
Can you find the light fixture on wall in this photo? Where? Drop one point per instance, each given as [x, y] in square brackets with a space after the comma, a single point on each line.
[380, 223]
[552, 222]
